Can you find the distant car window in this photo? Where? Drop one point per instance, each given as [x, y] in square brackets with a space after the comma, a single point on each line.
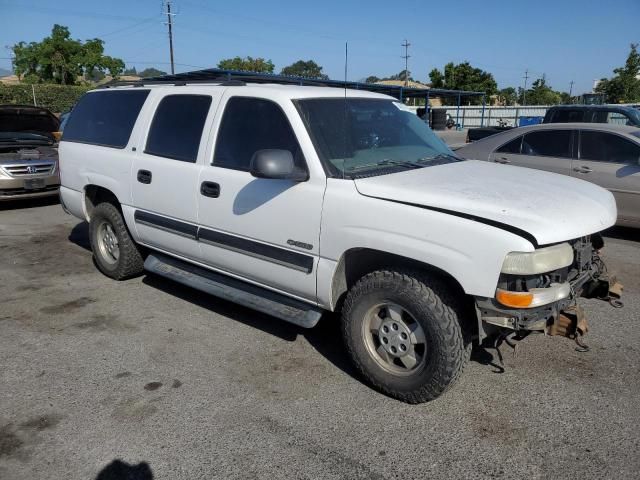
[568, 116]
[105, 118]
[511, 147]
[548, 143]
[607, 147]
[177, 127]
[252, 124]
[616, 118]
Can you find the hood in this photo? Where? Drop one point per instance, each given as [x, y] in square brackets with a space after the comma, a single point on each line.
[550, 207]
[25, 118]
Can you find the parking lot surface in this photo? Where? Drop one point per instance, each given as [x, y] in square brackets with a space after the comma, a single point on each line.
[147, 378]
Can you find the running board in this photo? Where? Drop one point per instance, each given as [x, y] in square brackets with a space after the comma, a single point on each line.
[237, 291]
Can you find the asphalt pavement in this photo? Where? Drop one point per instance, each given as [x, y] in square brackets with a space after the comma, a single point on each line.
[146, 379]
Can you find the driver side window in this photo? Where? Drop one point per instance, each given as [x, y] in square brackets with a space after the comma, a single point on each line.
[251, 124]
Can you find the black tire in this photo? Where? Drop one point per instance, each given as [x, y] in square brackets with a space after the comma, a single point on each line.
[129, 262]
[428, 303]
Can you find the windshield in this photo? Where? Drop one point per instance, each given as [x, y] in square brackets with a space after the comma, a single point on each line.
[635, 117]
[357, 137]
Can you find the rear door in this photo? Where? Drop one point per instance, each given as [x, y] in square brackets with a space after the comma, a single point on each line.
[549, 150]
[166, 170]
[611, 161]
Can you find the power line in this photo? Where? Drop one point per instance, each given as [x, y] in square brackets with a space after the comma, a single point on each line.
[406, 56]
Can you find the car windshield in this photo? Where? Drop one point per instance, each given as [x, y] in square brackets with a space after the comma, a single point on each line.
[635, 117]
[357, 137]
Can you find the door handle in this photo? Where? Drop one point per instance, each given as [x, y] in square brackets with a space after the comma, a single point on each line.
[210, 189]
[502, 160]
[583, 169]
[144, 176]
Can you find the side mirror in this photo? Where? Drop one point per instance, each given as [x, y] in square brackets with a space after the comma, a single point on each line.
[276, 164]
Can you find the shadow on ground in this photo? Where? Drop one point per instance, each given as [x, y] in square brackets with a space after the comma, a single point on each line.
[623, 233]
[29, 203]
[80, 235]
[119, 470]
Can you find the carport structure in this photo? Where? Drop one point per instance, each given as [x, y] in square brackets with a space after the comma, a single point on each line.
[396, 91]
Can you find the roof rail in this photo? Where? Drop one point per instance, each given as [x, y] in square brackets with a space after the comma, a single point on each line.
[238, 78]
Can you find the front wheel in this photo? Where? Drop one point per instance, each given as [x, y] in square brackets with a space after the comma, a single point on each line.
[403, 334]
[115, 253]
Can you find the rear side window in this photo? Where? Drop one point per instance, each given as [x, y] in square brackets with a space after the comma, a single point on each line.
[252, 124]
[105, 118]
[512, 147]
[607, 147]
[568, 116]
[177, 127]
[548, 143]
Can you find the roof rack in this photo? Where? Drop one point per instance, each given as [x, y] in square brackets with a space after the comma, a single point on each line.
[239, 78]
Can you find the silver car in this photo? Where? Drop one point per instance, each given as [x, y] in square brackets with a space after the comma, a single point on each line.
[608, 155]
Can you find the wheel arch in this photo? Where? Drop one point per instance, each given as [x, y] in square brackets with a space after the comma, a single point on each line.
[96, 194]
[357, 262]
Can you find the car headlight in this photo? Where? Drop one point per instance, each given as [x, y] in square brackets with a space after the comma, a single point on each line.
[541, 260]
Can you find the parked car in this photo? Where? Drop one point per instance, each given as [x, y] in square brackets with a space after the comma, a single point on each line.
[297, 200]
[28, 157]
[605, 154]
[614, 114]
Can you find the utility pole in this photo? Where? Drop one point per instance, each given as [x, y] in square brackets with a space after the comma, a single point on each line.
[524, 92]
[170, 25]
[570, 89]
[406, 56]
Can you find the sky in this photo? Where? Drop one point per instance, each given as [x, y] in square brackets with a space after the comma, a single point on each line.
[566, 40]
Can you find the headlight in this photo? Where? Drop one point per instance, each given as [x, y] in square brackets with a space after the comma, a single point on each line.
[539, 261]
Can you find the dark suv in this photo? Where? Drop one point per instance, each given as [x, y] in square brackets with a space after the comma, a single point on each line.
[618, 115]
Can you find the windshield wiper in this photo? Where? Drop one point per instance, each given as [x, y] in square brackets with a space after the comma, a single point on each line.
[387, 161]
[440, 158]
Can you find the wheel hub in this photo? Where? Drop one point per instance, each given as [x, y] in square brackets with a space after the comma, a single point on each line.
[108, 243]
[395, 338]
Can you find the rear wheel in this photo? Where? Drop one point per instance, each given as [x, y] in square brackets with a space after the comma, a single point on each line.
[403, 334]
[114, 251]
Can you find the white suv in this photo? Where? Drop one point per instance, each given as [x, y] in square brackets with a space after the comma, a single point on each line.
[296, 200]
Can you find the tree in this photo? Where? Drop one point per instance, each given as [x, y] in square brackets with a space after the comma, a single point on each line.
[308, 69]
[508, 96]
[61, 59]
[131, 71]
[248, 64]
[540, 94]
[371, 79]
[624, 87]
[151, 72]
[464, 77]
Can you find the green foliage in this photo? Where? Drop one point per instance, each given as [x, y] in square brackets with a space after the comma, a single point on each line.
[61, 59]
[463, 76]
[540, 94]
[57, 98]
[308, 69]
[248, 64]
[624, 87]
[130, 71]
[508, 96]
[151, 72]
[372, 79]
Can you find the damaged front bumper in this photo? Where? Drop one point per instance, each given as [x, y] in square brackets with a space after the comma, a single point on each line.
[558, 312]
